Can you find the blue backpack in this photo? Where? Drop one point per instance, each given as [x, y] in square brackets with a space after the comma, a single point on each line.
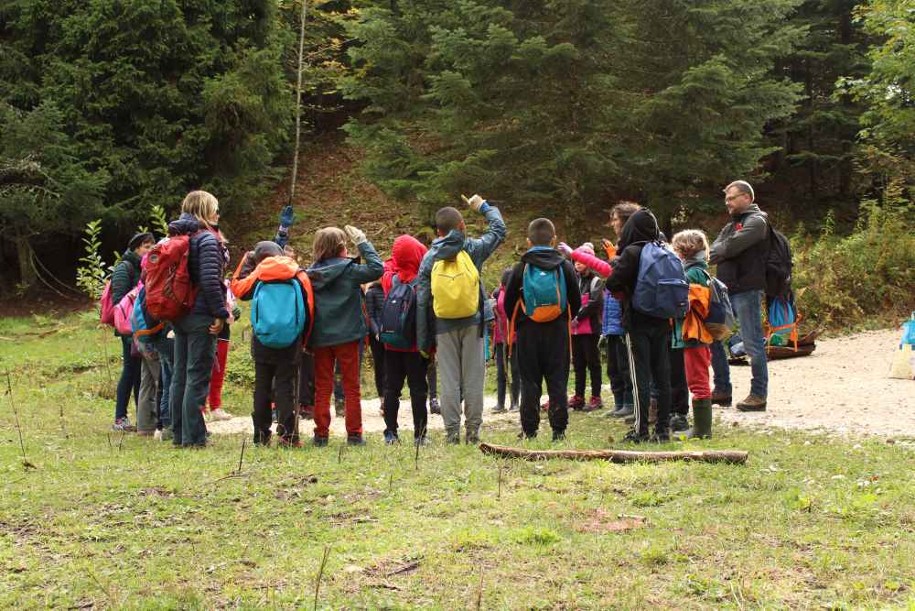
[278, 313]
[661, 289]
[145, 328]
[398, 315]
[720, 321]
[544, 293]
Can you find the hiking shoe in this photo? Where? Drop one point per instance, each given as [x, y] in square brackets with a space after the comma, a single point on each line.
[288, 442]
[219, 414]
[721, 398]
[123, 424]
[307, 412]
[319, 442]
[678, 422]
[594, 404]
[753, 403]
[339, 407]
[621, 411]
[390, 438]
[499, 409]
[434, 407]
[355, 440]
[634, 436]
[576, 402]
[559, 435]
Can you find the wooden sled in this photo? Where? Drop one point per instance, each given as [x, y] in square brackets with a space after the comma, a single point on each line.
[805, 347]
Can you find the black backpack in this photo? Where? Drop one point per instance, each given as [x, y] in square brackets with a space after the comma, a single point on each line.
[778, 265]
[398, 316]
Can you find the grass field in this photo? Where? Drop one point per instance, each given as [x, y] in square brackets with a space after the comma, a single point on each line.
[107, 520]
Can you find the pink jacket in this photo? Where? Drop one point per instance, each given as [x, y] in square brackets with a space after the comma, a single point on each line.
[601, 267]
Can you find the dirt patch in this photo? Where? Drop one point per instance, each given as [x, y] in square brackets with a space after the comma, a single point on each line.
[599, 521]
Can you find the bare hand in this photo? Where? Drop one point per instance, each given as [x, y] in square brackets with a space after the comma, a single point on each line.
[216, 327]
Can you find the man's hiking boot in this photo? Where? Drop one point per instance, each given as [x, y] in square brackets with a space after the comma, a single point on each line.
[391, 437]
[355, 440]
[594, 404]
[319, 442]
[753, 403]
[702, 420]
[720, 398]
[633, 436]
[678, 422]
[577, 402]
[434, 407]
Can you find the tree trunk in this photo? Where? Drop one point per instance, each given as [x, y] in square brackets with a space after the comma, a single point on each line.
[27, 276]
[735, 457]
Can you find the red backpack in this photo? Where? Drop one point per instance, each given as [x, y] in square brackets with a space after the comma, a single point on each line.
[106, 306]
[169, 292]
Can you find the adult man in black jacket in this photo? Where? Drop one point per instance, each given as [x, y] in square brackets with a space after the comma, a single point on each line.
[740, 252]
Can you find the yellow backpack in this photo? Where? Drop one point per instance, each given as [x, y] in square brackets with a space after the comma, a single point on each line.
[455, 287]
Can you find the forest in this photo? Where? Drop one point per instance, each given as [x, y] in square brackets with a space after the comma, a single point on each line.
[111, 107]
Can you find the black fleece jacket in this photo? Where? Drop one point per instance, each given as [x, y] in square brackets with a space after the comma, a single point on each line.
[544, 258]
[641, 228]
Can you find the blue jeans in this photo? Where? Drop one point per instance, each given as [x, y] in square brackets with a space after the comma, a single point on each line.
[748, 309]
[166, 349]
[130, 379]
[721, 368]
[195, 351]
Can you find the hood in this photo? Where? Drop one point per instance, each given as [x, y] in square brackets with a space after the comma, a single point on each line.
[265, 249]
[407, 253]
[544, 257]
[131, 257]
[640, 228]
[327, 271]
[448, 246]
[276, 268]
[186, 224]
[753, 208]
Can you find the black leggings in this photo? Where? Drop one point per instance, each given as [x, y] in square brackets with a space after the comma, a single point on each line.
[586, 359]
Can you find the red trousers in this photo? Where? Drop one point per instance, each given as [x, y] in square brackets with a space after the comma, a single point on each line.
[697, 361]
[219, 374]
[325, 359]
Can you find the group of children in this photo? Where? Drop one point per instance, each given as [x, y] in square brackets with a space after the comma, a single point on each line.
[554, 308]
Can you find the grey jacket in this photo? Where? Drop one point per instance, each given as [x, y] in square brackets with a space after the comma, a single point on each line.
[447, 247]
[740, 251]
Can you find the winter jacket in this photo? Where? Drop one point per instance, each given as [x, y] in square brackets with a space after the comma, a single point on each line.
[406, 256]
[641, 228]
[692, 328]
[374, 306]
[125, 276]
[339, 314]
[547, 259]
[206, 263]
[444, 248]
[592, 305]
[613, 316]
[740, 251]
[272, 268]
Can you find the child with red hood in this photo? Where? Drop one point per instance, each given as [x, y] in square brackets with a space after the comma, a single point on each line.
[398, 332]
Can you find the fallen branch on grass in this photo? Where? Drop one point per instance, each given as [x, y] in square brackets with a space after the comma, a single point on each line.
[736, 457]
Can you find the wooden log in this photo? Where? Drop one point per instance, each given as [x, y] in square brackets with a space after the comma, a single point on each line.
[734, 457]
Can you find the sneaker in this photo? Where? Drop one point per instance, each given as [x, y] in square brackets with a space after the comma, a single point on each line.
[319, 442]
[559, 435]
[753, 403]
[307, 412]
[499, 409]
[721, 398]
[678, 422]
[390, 438]
[288, 442]
[219, 414]
[594, 404]
[355, 440]
[576, 402]
[434, 407]
[123, 424]
[621, 411]
[634, 436]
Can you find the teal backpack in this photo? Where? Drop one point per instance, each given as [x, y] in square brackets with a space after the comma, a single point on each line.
[278, 314]
[544, 292]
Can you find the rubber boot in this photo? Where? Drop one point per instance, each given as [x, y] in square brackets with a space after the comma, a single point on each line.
[702, 420]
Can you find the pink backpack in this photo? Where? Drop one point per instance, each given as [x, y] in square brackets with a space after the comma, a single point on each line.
[124, 310]
[106, 307]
